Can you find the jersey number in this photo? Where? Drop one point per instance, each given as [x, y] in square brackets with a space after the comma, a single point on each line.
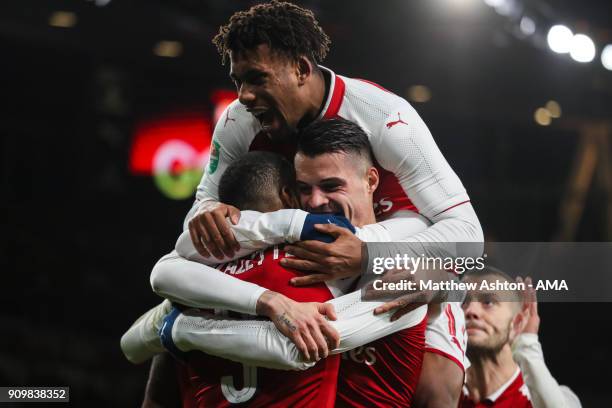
[247, 391]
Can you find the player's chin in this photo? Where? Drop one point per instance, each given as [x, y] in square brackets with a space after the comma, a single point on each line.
[279, 132]
[477, 336]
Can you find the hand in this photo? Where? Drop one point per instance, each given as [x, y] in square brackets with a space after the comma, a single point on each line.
[530, 304]
[407, 300]
[304, 324]
[527, 320]
[340, 259]
[210, 232]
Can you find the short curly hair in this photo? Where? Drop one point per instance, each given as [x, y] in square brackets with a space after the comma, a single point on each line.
[285, 27]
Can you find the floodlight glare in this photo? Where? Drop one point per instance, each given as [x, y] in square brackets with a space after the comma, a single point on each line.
[606, 57]
[582, 48]
[559, 39]
[528, 26]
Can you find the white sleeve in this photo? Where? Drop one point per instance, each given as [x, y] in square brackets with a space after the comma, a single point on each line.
[544, 390]
[197, 285]
[259, 343]
[405, 225]
[141, 341]
[254, 231]
[409, 151]
[230, 140]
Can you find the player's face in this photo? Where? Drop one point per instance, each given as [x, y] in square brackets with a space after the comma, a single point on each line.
[488, 320]
[268, 85]
[337, 183]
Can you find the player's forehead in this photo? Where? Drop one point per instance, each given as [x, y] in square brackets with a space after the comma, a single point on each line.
[313, 169]
[260, 58]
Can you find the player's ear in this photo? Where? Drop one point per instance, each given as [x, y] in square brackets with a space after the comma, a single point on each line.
[289, 197]
[373, 179]
[304, 69]
[518, 324]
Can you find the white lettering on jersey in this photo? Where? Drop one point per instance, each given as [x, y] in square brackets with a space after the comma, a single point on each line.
[383, 205]
[236, 396]
[362, 355]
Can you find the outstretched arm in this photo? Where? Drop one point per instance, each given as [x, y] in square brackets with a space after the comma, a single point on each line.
[254, 231]
[194, 284]
[257, 342]
[527, 351]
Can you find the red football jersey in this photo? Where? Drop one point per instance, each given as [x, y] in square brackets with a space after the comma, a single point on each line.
[220, 383]
[383, 373]
[513, 394]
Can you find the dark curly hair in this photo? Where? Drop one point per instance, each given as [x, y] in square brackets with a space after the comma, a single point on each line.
[285, 27]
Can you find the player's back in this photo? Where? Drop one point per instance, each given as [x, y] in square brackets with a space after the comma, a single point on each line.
[383, 373]
[218, 382]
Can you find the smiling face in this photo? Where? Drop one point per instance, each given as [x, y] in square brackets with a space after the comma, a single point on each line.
[337, 183]
[272, 87]
[489, 317]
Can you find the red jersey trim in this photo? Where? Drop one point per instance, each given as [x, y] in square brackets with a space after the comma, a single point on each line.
[336, 98]
[451, 207]
[444, 354]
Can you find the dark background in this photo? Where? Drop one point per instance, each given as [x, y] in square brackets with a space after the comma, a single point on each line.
[80, 232]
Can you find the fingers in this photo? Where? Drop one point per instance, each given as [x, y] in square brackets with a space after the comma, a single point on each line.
[331, 334]
[532, 296]
[316, 247]
[301, 346]
[309, 280]
[394, 304]
[233, 214]
[327, 309]
[210, 234]
[195, 235]
[229, 243]
[322, 347]
[301, 264]
[406, 309]
[332, 229]
[311, 345]
[301, 251]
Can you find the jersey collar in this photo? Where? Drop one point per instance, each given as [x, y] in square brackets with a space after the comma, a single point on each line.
[493, 397]
[334, 96]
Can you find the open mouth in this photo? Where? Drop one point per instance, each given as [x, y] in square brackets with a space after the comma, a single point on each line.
[264, 116]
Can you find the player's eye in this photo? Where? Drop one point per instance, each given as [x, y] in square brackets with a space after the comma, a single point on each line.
[304, 189]
[488, 301]
[330, 187]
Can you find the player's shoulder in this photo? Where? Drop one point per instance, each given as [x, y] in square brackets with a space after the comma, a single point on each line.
[236, 114]
[370, 93]
[236, 124]
[369, 103]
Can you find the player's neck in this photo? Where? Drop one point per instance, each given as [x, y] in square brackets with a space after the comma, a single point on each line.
[487, 374]
[316, 97]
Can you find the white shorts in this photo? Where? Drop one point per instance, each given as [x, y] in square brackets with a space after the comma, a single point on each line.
[446, 334]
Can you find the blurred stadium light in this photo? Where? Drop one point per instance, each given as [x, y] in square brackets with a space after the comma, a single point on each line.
[63, 19]
[559, 39]
[582, 48]
[527, 25]
[606, 57]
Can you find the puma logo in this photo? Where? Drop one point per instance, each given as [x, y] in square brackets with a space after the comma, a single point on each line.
[395, 122]
[227, 118]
